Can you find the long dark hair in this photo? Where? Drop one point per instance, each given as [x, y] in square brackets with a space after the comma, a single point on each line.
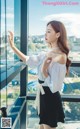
[62, 40]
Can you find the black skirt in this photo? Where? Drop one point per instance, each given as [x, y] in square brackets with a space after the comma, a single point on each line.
[51, 110]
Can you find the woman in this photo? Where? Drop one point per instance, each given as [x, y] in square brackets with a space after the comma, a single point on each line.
[52, 68]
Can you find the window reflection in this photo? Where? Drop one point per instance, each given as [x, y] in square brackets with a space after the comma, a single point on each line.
[3, 97]
[36, 44]
[71, 110]
[71, 86]
[74, 47]
[8, 13]
[11, 92]
[3, 45]
[10, 20]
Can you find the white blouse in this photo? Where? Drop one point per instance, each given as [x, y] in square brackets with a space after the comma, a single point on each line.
[56, 72]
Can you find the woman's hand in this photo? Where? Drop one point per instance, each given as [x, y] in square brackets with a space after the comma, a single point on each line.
[21, 55]
[46, 65]
[11, 39]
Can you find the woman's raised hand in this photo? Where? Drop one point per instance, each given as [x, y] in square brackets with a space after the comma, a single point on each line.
[11, 39]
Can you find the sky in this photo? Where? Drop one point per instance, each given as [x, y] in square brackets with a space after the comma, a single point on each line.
[40, 12]
[9, 15]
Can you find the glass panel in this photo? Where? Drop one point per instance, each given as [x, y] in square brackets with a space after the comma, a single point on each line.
[71, 110]
[10, 21]
[9, 27]
[36, 43]
[72, 83]
[2, 45]
[37, 31]
[32, 117]
[3, 51]
[3, 97]
[40, 12]
[17, 24]
[13, 91]
[13, 24]
[32, 81]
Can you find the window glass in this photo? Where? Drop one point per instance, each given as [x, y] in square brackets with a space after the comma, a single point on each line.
[40, 13]
[10, 21]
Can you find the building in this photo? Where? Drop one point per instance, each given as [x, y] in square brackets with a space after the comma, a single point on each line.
[15, 97]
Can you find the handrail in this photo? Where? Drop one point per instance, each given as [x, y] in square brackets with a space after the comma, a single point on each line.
[66, 97]
[11, 73]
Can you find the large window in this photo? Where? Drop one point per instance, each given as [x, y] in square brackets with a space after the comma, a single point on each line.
[36, 43]
[10, 92]
[10, 21]
[12, 69]
[40, 12]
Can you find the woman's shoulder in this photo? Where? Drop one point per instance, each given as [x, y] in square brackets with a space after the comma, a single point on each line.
[60, 58]
[63, 58]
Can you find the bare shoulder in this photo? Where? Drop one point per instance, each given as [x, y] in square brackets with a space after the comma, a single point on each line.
[58, 57]
[62, 58]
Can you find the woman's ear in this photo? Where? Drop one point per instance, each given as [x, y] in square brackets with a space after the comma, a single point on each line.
[58, 35]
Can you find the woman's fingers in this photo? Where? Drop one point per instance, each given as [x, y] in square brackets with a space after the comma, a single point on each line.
[11, 38]
[11, 34]
[49, 59]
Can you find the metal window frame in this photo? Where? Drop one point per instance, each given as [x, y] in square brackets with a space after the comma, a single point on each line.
[23, 48]
[0, 50]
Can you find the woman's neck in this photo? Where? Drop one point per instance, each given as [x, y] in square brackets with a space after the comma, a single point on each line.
[55, 47]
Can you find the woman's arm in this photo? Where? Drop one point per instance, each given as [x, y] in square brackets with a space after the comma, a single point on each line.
[22, 56]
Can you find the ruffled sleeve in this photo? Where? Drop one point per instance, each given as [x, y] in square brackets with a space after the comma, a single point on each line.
[34, 60]
[56, 77]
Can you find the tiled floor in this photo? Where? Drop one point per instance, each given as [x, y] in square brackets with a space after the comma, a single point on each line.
[33, 124]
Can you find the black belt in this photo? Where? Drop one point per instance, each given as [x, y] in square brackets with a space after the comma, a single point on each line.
[40, 81]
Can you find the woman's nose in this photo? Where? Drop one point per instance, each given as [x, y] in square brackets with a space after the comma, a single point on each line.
[45, 34]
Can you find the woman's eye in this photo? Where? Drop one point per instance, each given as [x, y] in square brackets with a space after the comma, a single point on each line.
[48, 31]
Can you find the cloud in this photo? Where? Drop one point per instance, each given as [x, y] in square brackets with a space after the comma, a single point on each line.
[10, 9]
[70, 20]
[8, 15]
[9, 27]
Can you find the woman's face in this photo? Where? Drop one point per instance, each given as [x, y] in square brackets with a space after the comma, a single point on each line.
[50, 36]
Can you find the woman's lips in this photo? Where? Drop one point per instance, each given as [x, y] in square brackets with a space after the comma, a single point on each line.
[45, 38]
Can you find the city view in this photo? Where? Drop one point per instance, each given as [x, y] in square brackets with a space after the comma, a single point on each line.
[37, 20]
[71, 84]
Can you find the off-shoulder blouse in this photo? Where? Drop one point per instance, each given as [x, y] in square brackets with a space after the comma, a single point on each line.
[56, 72]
